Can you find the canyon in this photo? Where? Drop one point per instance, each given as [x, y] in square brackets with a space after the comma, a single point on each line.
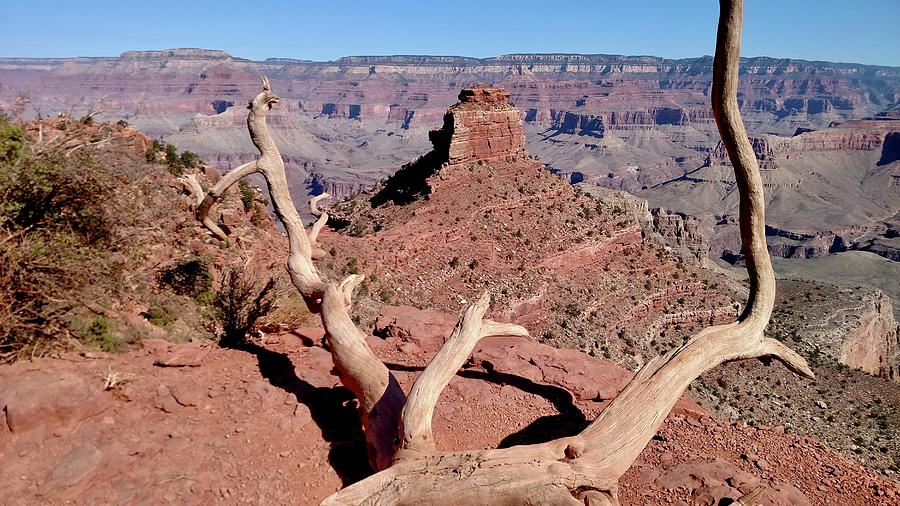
[596, 273]
[635, 123]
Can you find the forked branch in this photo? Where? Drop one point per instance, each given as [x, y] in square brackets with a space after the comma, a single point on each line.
[379, 394]
[471, 328]
[585, 469]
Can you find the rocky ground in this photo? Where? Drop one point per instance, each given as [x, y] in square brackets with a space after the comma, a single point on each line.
[269, 424]
[853, 412]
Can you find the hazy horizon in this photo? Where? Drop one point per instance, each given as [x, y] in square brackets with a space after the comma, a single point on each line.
[867, 32]
[411, 55]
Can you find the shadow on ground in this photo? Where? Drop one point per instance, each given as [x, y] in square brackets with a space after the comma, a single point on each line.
[333, 409]
[568, 422]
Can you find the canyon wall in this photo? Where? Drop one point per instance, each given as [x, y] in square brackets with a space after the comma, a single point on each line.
[875, 347]
[636, 123]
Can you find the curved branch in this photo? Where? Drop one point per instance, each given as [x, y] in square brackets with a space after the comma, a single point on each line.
[219, 189]
[270, 164]
[752, 211]
[314, 203]
[317, 252]
[196, 190]
[416, 418]
[379, 394]
[636, 414]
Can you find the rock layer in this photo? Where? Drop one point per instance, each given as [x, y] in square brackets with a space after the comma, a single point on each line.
[875, 347]
[482, 126]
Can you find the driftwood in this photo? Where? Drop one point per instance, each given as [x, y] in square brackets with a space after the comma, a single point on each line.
[581, 469]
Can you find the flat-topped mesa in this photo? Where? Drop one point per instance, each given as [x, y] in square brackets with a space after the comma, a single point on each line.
[482, 126]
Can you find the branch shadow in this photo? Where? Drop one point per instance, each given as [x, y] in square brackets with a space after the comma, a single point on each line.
[569, 420]
[335, 413]
[331, 408]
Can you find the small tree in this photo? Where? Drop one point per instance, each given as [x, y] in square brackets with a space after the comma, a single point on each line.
[189, 159]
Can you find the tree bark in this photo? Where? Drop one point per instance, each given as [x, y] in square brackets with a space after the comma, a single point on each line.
[577, 470]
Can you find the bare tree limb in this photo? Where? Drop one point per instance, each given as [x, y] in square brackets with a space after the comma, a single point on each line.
[379, 394]
[585, 469]
[216, 192]
[196, 190]
[416, 418]
[317, 252]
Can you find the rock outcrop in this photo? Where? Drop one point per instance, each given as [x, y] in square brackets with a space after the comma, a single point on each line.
[875, 347]
[677, 231]
[890, 150]
[482, 126]
[50, 400]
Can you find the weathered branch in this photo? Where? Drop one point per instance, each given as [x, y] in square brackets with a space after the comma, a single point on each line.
[379, 394]
[316, 251]
[196, 190]
[314, 203]
[585, 469]
[216, 192]
[416, 418]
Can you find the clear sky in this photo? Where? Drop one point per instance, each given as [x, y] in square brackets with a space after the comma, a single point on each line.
[862, 31]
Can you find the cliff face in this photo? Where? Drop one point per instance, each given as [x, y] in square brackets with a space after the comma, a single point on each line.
[624, 92]
[828, 190]
[875, 347]
[631, 123]
[469, 216]
[678, 232]
[482, 126]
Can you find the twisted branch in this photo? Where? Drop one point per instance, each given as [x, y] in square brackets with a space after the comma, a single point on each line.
[416, 418]
[585, 469]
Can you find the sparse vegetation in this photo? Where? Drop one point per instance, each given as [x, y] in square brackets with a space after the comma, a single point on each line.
[190, 277]
[247, 195]
[239, 303]
[98, 334]
[55, 226]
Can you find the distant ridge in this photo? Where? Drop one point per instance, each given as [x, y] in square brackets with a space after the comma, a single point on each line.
[510, 58]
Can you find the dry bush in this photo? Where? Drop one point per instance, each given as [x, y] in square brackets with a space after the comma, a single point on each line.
[54, 218]
[239, 303]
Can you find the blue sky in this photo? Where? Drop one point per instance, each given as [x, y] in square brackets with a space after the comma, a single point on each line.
[863, 31]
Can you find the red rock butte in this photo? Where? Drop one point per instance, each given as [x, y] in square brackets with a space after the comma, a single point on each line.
[482, 126]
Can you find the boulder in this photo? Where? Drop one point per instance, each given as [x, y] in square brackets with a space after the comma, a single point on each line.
[51, 399]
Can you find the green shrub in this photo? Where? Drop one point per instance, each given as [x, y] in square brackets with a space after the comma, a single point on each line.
[159, 317]
[176, 168]
[247, 195]
[189, 159]
[153, 150]
[12, 141]
[97, 334]
[52, 192]
[190, 277]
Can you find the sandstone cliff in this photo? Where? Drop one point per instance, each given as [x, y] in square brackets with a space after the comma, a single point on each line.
[482, 126]
[875, 346]
[471, 216]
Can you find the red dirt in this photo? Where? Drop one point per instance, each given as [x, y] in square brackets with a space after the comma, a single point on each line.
[271, 425]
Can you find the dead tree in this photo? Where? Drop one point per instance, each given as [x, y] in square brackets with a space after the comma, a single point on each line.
[581, 469]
